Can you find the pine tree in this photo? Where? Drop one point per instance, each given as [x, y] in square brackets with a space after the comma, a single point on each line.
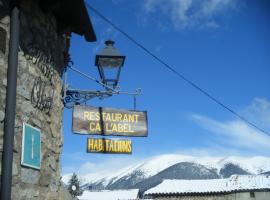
[74, 186]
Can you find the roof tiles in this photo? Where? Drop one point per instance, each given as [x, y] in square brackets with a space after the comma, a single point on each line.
[234, 183]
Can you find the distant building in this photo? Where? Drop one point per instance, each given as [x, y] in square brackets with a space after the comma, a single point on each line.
[245, 187]
[131, 194]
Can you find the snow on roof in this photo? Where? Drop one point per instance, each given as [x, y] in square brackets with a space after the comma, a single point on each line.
[234, 183]
[110, 195]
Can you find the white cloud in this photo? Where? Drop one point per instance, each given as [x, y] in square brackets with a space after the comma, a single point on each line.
[259, 112]
[237, 133]
[215, 150]
[212, 7]
[88, 170]
[190, 13]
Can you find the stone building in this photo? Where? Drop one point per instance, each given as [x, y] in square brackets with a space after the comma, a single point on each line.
[245, 187]
[45, 27]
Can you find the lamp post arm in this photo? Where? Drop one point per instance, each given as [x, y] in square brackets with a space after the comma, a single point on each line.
[93, 79]
[136, 93]
[73, 97]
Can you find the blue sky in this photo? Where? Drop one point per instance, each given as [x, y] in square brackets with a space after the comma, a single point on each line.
[221, 45]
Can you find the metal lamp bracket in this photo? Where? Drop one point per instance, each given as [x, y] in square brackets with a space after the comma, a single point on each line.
[73, 97]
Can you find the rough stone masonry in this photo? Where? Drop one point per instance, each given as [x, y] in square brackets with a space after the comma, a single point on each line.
[40, 64]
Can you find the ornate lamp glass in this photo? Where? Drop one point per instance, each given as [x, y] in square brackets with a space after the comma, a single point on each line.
[109, 63]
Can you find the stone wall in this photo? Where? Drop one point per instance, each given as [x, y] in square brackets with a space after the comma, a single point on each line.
[40, 62]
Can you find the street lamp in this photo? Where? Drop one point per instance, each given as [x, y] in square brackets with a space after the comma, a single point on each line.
[109, 63]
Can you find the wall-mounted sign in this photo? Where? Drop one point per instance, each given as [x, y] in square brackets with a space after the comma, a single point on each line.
[31, 147]
[109, 121]
[114, 146]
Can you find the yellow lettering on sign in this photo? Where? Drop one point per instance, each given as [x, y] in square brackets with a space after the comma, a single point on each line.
[107, 145]
[98, 127]
[115, 146]
[114, 122]
[90, 144]
[108, 128]
[114, 128]
[92, 126]
[100, 146]
[125, 118]
[86, 115]
[120, 128]
[91, 116]
[95, 148]
[129, 147]
[97, 115]
[136, 116]
[108, 117]
[131, 118]
[110, 146]
[118, 147]
[118, 117]
[123, 144]
[126, 127]
[113, 117]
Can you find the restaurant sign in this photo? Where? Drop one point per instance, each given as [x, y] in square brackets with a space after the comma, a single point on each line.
[112, 146]
[109, 121]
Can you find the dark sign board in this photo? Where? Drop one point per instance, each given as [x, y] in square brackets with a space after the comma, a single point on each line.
[109, 121]
[113, 146]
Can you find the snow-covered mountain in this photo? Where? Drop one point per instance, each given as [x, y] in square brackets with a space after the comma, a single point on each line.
[152, 171]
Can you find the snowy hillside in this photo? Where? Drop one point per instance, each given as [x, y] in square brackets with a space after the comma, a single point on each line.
[151, 172]
[150, 167]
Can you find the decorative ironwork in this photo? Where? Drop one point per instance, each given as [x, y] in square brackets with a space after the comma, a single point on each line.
[76, 97]
[73, 97]
[3, 37]
[42, 95]
[43, 91]
[44, 62]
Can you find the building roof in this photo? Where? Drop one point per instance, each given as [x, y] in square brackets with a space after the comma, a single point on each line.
[210, 186]
[69, 14]
[110, 195]
[72, 14]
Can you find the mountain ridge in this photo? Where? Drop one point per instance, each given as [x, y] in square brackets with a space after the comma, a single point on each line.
[152, 171]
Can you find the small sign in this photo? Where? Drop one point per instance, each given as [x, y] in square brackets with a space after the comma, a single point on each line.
[113, 146]
[109, 121]
[31, 147]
